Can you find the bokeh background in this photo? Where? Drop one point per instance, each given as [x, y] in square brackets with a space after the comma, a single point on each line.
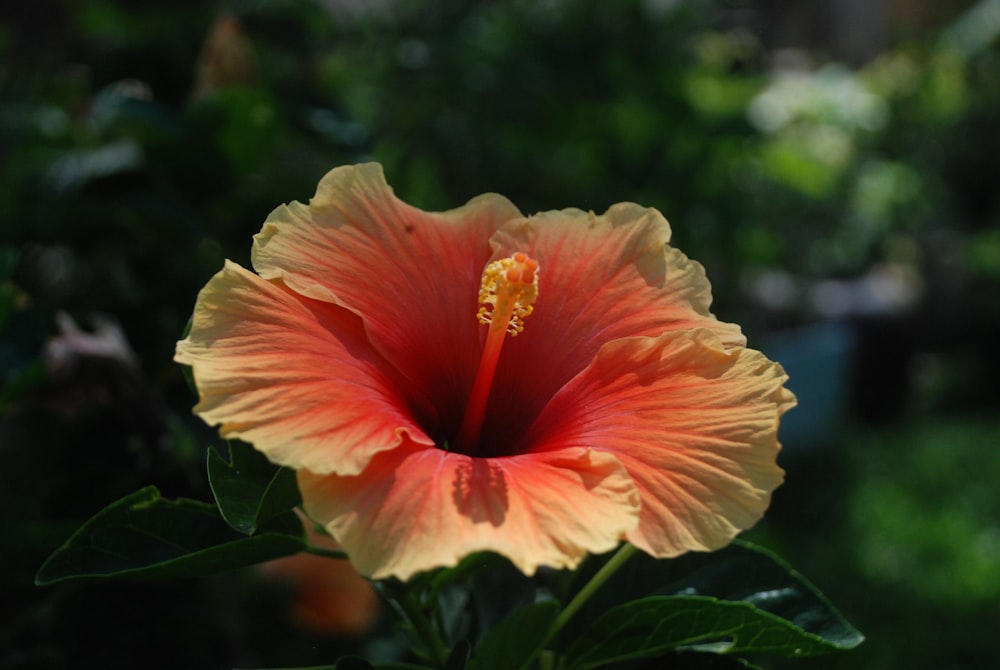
[834, 165]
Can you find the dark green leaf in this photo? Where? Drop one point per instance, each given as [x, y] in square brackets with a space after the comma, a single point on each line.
[20, 381]
[655, 625]
[435, 581]
[9, 256]
[8, 293]
[358, 663]
[459, 656]
[146, 536]
[188, 374]
[740, 573]
[474, 595]
[515, 640]
[690, 660]
[757, 576]
[353, 663]
[249, 489]
[497, 591]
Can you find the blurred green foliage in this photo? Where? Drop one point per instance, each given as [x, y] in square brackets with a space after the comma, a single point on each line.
[903, 527]
[142, 143]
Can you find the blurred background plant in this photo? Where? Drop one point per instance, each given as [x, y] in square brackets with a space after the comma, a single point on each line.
[832, 164]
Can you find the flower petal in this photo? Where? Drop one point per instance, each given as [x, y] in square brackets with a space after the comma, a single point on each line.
[294, 376]
[412, 276]
[695, 425]
[601, 278]
[416, 509]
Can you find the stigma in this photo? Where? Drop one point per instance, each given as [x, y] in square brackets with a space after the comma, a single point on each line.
[508, 292]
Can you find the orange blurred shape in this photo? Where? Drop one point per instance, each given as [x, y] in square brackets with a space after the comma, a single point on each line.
[329, 596]
[226, 58]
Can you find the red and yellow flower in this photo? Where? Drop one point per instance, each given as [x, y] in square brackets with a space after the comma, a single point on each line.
[595, 398]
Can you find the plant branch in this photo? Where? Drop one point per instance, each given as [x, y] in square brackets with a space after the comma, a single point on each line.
[589, 589]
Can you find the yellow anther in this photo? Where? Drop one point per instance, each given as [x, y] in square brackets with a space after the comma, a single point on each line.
[508, 292]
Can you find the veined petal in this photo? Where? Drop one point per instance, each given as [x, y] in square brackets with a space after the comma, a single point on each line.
[416, 509]
[603, 278]
[412, 276]
[695, 425]
[295, 377]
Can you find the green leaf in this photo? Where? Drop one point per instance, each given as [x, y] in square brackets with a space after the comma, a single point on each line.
[753, 574]
[741, 598]
[514, 641]
[343, 663]
[459, 656]
[438, 580]
[353, 663]
[656, 625]
[144, 536]
[685, 661]
[474, 595]
[692, 660]
[358, 663]
[249, 489]
[689, 660]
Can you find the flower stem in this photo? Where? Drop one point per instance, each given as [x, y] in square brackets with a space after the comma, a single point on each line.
[589, 589]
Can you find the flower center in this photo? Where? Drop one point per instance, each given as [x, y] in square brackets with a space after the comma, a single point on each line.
[506, 297]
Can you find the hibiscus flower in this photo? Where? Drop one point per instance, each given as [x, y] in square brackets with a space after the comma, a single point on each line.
[444, 383]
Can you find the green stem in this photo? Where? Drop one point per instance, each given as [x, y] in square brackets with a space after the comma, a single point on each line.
[326, 553]
[588, 590]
